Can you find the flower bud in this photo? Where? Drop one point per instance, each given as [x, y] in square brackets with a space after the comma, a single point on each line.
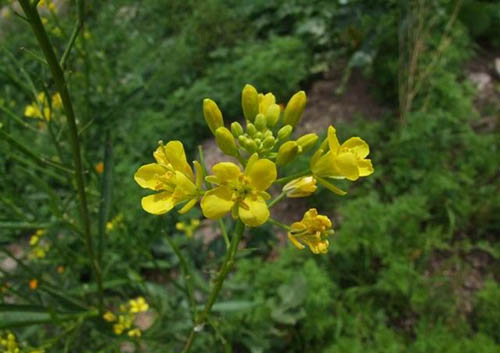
[287, 152]
[236, 129]
[250, 145]
[269, 142]
[250, 102]
[284, 132]
[307, 141]
[300, 187]
[225, 141]
[212, 114]
[295, 108]
[260, 122]
[251, 130]
[273, 114]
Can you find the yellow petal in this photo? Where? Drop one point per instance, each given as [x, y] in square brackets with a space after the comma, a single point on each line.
[148, 176]
[295, 242]
[199, 173]
[324, 166]
[159, 203]
[160, 155]
[217, 202]
[365, 167]
[183, 185]
[253, 211]
[266, 102]
[226, 171]
[262, 173]
[333, 141]
[347, 165]
[358, 146]
[177, 157]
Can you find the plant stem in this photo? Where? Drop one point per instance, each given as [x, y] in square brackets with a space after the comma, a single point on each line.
[188, 277]
[33, 16]
[224, 233]
[226, 266]
[291, 177]
[278, 224]
[277, 199]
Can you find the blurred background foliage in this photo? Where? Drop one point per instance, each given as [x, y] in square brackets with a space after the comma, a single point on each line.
[415, 260]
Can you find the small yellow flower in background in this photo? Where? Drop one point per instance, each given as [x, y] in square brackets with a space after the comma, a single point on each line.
[39, 248]
[40, 108]
[342, 161]
[33, 284]
[109, 316]
[243, 193]
[138, 305]
[114, 223]
[188, 228]
[8, 343]
[134, 333]
[86, 34]
[99, 167]
[172, 177]
[313, 231]
[300, 187]
[118, 329]
[60, 269]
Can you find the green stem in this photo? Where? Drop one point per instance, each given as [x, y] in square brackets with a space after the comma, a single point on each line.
[74, 34]
[278, 224]
[188, 277]
[224, 233]
[226, 266]
[277, 199]
[33, 16]
[294, 176]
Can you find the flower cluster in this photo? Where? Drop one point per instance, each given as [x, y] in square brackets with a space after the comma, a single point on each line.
[39, 247]
[9, 344]
[124, 321]
[41, 109]
[188, 227]
[240, 187]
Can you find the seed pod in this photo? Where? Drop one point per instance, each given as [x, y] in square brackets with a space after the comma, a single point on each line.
[295, 108]
[260, 122]
[212, 115]
[307, 141]
[273, 115]
[250, 102]
[236, 129]
[284, 132]
[225, 141]
[287, 152]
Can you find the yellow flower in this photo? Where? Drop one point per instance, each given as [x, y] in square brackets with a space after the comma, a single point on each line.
[313, 231]
[172, 177]
[300, 187]
[109, 316]
[342, 161]
[188, 228]
[33, 284]
[8, 343]
[134, 333]
[118, 329]
[243, 193]
[39, 109]
[138, 305]
[99, 167]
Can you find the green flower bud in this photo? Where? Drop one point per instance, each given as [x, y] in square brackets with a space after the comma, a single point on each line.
[260, 122]
[236, 129]
[295, 108]
[250, 102]
[307, 141]
[251, 130]
[268, 133]
[259, 135]
[269, 142]
[284, 132]
[273, 114]
[250, 146]
[287, 152]
[212, 114]
[242, 139]
[225, 141]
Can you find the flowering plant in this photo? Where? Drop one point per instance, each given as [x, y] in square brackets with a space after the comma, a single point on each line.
[241, 186]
